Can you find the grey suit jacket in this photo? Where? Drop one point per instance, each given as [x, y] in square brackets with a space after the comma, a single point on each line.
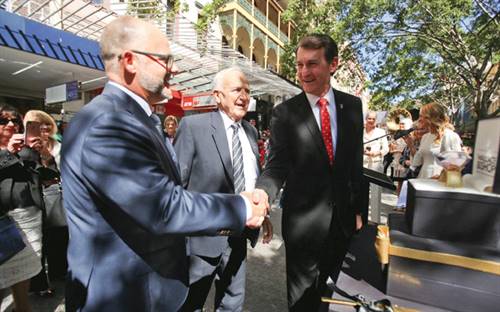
[127, 212]
[205, 164]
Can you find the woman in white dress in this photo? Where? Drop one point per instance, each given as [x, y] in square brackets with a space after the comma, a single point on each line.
[372, 159]
[19, 162]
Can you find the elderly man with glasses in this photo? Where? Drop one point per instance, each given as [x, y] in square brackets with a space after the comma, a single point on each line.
[128, 213]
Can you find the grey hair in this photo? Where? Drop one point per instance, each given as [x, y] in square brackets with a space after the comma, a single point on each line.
[218, 81]
[368, 113]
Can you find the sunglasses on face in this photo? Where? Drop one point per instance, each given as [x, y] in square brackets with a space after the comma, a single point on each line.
[5, 121]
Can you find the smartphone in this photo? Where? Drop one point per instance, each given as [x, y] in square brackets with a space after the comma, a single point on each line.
[31, 130]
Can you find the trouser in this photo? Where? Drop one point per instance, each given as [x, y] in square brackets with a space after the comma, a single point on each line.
[308, 298]
[228, 271]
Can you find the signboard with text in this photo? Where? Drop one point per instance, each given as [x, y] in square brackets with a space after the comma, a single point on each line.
[198, 101]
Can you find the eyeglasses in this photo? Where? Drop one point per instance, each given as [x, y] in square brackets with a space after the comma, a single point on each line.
[165, 60]
[5, 121]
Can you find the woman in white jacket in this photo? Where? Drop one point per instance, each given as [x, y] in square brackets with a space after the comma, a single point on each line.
[440, 138]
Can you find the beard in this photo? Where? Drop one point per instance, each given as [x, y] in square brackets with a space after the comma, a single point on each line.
[154, 84]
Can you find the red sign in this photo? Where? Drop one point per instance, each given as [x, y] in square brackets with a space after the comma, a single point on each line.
[198, 101]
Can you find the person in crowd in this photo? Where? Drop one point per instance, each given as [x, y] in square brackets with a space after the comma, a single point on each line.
[55, 234]
[170, 127]
[373, 154]
[218, 152]
[128, 214]
[316, 152]
[440, 137]
[21, 200]
[412, 143]
[396, 148]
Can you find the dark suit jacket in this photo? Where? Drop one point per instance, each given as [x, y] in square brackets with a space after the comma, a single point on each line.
[314, 192]
[205, 163]
[128, 213]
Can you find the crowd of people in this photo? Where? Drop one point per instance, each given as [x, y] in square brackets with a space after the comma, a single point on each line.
[29, 167]
[157, 213]
[413, 155]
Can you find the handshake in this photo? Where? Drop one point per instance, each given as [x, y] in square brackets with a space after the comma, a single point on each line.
[260, 207]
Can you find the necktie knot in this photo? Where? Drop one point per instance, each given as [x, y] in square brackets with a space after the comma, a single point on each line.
[235, 127]
[322, 102]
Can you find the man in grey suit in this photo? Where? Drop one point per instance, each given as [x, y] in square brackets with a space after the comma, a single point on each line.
[128, 214]
[218, 152]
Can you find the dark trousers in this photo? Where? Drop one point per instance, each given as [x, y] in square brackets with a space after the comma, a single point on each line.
[54, 262]
[332, 256]
[228, 271]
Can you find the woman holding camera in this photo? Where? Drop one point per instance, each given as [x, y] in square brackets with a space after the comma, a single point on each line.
[21, 200]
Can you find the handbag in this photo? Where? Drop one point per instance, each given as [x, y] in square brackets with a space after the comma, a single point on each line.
[54, 211]
[11, 241]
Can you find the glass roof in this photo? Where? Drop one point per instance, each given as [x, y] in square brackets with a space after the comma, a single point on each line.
[199, 57]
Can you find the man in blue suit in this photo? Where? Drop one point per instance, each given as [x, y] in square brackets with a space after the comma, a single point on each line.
[128, 213]
[209, 162]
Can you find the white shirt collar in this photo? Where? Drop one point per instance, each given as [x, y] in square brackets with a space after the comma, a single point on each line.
[228, 122]
[145, 106]
[313, 99]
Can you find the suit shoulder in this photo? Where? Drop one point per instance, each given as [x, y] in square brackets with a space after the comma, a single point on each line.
[197, 120]
[346, 97]
[290, 103]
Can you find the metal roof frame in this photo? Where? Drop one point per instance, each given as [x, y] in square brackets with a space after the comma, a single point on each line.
[198, 56]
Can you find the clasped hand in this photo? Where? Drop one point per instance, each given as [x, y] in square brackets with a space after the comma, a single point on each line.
[260, 207]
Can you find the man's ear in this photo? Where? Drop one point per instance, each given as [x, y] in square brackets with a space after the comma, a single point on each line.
[216, 94]
[334, 65]
[129, 62]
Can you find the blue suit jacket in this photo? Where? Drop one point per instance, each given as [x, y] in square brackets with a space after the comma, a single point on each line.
[128, 213]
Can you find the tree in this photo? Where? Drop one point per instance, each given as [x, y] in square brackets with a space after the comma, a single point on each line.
[416, 49]
[310, 16]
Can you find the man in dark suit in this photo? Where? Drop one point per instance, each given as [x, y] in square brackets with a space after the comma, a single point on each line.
[208, 163]
[128, 213]
[316, 150]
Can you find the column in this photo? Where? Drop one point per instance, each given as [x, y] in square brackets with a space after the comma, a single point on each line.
[267, 13]
[234, 30]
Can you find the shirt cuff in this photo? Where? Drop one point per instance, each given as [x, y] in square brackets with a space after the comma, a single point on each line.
[248, 205]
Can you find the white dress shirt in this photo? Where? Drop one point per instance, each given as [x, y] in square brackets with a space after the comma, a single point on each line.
[142, 102]
[250, 169]
[332, 110]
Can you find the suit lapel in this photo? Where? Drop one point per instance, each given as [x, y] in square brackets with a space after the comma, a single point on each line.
[339, 104]
[312, 125]
[140, 114]
[220, 139]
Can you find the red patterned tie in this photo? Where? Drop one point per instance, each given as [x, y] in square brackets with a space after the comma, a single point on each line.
[326, 128]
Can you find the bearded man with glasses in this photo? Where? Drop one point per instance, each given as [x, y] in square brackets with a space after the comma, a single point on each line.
[128, 214]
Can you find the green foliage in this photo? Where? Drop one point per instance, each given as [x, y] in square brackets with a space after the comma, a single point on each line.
[153, 9]
[427, 50]
[208, 14]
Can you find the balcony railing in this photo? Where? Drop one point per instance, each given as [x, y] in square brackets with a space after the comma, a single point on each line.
[247, 6]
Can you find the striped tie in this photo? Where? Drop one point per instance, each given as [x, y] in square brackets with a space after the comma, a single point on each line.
[239, 177]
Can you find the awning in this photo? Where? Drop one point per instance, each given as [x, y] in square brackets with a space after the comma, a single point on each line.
[199, 57]
[34, 56]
